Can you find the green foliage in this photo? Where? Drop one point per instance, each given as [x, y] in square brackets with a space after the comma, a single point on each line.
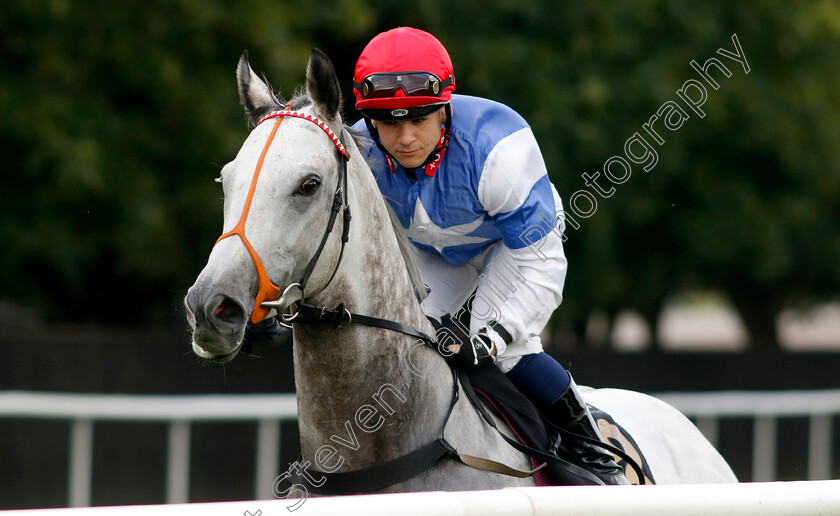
[118, 117]
[744, 199]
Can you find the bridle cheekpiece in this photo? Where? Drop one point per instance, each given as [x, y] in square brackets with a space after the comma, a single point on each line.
[269, 296]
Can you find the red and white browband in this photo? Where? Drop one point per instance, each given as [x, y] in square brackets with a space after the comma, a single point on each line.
[297, 114]
[268, 291]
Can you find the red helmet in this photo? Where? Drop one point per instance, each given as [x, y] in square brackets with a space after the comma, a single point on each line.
[402, 74]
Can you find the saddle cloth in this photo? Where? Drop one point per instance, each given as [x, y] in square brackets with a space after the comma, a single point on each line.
[523, 419]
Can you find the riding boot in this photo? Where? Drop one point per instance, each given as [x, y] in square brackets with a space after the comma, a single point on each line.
[570, 413]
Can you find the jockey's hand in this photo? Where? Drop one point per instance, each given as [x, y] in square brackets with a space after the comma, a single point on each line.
[477, 351]
[462, 350]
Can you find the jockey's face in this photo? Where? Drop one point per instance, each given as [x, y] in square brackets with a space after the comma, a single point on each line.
[411, 141]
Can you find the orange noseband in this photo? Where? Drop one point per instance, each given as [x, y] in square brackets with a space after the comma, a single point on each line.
[268, 290]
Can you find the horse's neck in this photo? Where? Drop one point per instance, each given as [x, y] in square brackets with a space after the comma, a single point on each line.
[372, 394]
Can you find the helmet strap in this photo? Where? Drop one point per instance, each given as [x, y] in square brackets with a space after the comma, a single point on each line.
[432, 162]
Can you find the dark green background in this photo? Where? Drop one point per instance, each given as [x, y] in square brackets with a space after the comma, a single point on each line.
[118, 115]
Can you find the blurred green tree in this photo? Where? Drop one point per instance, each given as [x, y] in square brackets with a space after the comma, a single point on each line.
[744, 200]
[118, 117]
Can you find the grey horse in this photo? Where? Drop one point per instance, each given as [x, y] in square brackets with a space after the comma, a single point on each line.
[366, 395]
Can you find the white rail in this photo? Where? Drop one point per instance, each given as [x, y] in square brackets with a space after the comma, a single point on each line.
[766, 499]
[128, 407]
[179, 411]
[84, 410]
[820, 406]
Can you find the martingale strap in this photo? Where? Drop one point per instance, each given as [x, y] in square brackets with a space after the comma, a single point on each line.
[403, 468]
[378, 476]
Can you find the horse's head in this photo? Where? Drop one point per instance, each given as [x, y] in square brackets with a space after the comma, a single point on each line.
[279, 187]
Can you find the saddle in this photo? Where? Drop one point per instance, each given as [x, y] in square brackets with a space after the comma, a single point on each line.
[490, 385]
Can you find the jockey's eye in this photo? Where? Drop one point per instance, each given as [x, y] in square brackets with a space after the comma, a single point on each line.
[309, 187]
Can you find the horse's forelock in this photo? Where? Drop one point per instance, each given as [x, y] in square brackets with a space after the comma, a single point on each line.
[300, 100]
[407, 253]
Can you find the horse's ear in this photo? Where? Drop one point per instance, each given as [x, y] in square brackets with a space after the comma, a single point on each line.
[254, 94]
[322, 85]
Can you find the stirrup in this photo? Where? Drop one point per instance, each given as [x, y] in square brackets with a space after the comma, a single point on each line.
[581, 438]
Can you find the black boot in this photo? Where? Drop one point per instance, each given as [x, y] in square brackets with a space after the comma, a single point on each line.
[569, 412]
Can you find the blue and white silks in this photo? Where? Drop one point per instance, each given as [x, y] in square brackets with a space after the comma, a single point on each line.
[487, 218]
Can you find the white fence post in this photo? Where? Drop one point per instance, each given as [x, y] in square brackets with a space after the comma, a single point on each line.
[819, 447]
[268, 458]
[81, 459]
[178, 463]
[764, 449]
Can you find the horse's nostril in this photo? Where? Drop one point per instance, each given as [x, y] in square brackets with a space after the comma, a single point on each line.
[228, 311]
[193, 303]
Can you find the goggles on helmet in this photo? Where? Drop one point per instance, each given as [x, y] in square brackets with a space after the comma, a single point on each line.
[413, 84]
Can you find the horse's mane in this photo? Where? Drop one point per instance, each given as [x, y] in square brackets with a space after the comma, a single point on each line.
[362, 141]
[407, 252]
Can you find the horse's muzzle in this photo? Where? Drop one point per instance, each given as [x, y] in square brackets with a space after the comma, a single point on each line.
[218, 323]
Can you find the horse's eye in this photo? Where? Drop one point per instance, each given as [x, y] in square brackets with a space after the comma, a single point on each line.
[309, 187]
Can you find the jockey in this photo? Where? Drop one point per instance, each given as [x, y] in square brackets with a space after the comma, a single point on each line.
[465, 177]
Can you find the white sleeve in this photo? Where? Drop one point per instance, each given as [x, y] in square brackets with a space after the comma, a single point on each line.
[521, 288]
[510, 171]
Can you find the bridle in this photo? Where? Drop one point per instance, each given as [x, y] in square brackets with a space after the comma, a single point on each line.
[269, 296]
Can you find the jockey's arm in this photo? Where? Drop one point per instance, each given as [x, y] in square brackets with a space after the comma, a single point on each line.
[523, 276]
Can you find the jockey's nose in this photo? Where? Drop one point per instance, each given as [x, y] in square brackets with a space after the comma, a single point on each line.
[406, 134]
